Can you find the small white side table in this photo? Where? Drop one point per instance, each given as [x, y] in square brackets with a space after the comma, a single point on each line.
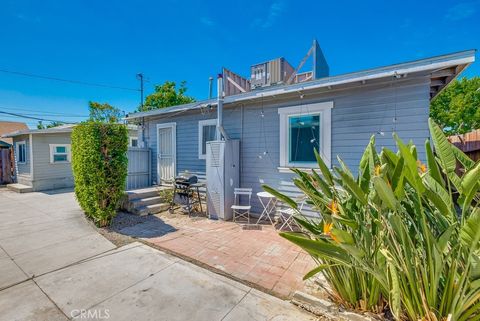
[268, 202]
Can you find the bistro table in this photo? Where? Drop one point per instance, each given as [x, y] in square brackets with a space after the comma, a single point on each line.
[268, 202]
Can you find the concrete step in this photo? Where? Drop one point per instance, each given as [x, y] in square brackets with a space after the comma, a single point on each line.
[143, 193]
[151, 209]
[20, 188]
[136, 203]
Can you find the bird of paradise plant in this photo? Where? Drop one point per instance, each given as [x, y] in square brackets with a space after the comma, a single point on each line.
[401, 233]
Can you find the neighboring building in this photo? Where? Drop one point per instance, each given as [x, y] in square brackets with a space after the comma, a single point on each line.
[43, 156]
[280, 124]
[8, 127]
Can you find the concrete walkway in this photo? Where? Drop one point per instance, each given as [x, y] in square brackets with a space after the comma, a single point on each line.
[55, 266]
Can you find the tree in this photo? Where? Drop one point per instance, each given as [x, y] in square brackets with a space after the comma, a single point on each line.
[457, 108]
[104, 113]
[167, 95]
[40, 124]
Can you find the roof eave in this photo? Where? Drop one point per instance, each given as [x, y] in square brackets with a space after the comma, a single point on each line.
[462, 58]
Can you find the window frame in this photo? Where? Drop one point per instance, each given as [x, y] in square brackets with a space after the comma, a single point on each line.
[17, 147]
[130, 141]
[323, 109]
[201, 124]
[53, 153]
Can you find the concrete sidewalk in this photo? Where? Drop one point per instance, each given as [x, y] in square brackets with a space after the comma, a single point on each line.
[54, 266]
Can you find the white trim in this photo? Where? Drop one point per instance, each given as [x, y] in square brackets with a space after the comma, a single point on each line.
[325, 111]
[173, 126]
[68, 149]
[130, 141]
[30, 156]
[201, 124]
[17, 151]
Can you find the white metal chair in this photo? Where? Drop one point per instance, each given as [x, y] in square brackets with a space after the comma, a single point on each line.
[287, 214]
[242, 211]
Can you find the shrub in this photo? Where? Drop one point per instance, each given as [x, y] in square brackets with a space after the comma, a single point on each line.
[99, 164]
[166, 194]
[402, 231]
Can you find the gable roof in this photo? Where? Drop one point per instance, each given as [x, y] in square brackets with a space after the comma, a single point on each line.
[8, 127]
[442, 70]
[67, 128]
[58, 129]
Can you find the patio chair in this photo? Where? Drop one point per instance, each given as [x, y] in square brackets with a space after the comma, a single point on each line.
[242, 211]
[287, 214]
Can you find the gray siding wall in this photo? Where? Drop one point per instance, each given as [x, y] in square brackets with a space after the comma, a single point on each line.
[45, 174]
[358, 113]
[187, 141]
[23, 170]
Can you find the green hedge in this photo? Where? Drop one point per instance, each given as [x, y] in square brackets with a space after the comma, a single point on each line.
[99, 164]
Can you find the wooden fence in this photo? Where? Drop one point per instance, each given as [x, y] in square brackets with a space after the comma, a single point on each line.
[7, 166]
[469, 143]
[139, 168]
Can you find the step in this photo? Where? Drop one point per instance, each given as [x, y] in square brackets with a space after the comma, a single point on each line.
[20, 188]
[136, 203]
[145, 192]
[151, 209]
[142, 193]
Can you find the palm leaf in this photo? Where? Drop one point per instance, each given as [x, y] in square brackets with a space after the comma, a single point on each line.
[385, 192]
[319, 248]
[317, 270]
[442, 147]
[466, 161]
[470, 231]
[433, 169]
[323, 168]
[280, 196]
[471, 178]
[351, 185]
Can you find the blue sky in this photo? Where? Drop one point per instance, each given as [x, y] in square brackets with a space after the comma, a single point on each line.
[108, 42]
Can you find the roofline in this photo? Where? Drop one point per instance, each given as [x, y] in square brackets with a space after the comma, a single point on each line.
[465, 57]
[37, 131]
[52, 130]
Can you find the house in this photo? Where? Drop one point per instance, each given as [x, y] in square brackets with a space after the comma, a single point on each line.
[8, 127]
[43, 157]
[278, 123]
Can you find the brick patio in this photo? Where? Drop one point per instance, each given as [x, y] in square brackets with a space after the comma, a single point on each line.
[258, 256]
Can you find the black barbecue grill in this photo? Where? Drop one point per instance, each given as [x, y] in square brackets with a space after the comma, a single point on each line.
[186, 193]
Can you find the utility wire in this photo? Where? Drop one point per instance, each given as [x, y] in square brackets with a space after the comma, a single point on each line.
[32, 117]
[79, 82]
[45, 114]
[14, 109]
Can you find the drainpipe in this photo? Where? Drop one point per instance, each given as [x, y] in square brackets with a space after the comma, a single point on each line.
[220, 130]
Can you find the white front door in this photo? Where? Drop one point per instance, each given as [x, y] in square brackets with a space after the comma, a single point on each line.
[166, 152]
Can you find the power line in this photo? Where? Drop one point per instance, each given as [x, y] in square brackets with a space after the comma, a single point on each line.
[78, 82]
[41, 113]
[32, 117]
[33, 110]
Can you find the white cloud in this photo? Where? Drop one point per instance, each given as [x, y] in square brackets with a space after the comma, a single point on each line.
[461, 11]
[275, 10]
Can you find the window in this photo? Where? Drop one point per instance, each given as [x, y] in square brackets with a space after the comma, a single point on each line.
[207, 131]
[59, 153]
[133, 141]
[303, 129]
[21, 152]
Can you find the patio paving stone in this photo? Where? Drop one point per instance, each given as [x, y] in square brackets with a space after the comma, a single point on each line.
[257, 256]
